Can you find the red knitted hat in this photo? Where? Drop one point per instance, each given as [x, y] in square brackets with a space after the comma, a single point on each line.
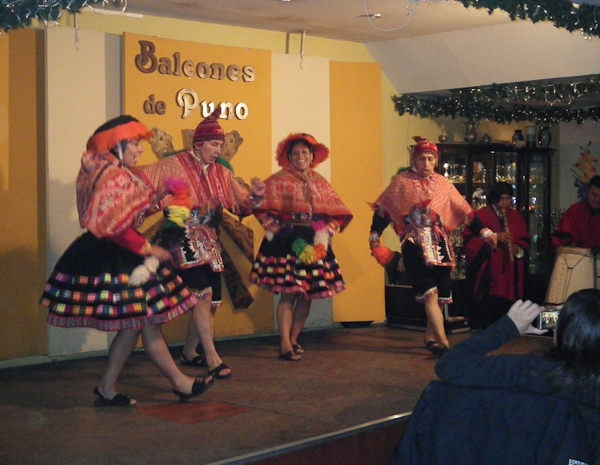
[320, 151]
[424, 146]
[209, 129]
[115, 130]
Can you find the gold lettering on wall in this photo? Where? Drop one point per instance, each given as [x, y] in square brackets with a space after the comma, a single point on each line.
[188, 101]
[148, 61]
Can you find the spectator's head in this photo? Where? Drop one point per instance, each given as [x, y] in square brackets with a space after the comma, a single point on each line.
[578, 330]
[593, 195]
[501, 195]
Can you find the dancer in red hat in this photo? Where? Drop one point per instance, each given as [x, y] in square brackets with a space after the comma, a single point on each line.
[195, 246]
[110, 278]
[300, 212]
[423, 208]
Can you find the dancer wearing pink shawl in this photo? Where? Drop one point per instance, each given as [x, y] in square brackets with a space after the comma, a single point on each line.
[423, 208]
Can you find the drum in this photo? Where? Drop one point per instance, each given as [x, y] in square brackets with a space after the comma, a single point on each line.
[574, 269]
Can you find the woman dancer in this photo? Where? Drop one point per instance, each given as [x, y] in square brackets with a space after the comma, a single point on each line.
[110, 278]
[300, 212]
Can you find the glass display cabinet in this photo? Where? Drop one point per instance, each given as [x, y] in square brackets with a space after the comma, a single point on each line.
[473, 167]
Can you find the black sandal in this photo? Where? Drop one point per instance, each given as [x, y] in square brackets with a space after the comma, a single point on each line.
[436, 348]
[200, 386]
[119, 400]
[216, 371]
[289, 356]
[197, 361]
[298, 349]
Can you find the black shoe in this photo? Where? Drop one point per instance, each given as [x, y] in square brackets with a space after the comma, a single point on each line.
[200, 386]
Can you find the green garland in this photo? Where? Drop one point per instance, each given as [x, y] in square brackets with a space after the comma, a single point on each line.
[562, 13]
[507, 103]
[16, 14]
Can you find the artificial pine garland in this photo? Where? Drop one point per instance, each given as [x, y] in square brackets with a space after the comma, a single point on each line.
[505, 103]
[16, 14]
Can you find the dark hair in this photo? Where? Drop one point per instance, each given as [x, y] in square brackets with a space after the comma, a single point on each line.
[123, 144]
[498, 190]
[578, 347]
[595, 181]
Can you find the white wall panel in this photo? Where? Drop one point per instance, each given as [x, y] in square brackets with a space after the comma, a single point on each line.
[79, 99]
[519, 51]
[301, 103]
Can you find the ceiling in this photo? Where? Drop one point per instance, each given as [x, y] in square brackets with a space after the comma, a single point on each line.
[332, 19]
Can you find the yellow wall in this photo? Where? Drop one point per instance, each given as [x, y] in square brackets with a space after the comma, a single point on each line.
[23, 239]
[22, 230]
[356, 146]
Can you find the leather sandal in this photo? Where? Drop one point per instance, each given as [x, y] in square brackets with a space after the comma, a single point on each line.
[197, 361]
[436, 348]
[298, 349]
[216, 372]
[289, 356]
[200, 386]
[119, 400]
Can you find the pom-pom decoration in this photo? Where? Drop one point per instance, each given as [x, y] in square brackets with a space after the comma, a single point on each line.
[383, 255]
[143, 272]
[320, 251]
[180, 190]
[181, 204]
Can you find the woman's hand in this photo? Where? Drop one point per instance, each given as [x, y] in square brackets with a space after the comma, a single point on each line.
[166, 201]
[492, 239]
[163, 255]
[523, 313]
[505, 237]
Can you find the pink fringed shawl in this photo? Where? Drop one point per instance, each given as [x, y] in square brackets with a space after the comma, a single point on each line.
[110, 199]
[291, 191]
[408, 189]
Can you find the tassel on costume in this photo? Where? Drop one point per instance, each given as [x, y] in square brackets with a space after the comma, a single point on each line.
[383, 255]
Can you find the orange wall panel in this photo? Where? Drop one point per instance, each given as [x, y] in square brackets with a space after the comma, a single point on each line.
[356, 164]
[22, 197]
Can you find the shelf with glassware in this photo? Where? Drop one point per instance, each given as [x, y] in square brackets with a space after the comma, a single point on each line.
[473, 167]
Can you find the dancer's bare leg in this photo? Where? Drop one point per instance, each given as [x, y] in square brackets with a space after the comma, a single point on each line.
[285, 318]
[201, 329]
[301, 312]
[156, 347]
[121, 348]
[435, 321]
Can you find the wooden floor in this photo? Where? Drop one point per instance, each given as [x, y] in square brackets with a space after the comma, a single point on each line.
[348, 377]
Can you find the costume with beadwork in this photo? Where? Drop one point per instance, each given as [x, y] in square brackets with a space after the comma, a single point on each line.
[300, 212]
[90, 284]
[195, 247]
[423, 211]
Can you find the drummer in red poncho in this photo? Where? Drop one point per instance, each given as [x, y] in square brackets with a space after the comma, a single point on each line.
[580, 224]
[423, 207]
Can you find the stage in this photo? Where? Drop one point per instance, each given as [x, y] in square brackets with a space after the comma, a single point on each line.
[347, 377]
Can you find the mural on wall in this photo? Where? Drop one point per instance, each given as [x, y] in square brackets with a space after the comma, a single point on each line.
[241, 235]
[161, 143]
[583, 170]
